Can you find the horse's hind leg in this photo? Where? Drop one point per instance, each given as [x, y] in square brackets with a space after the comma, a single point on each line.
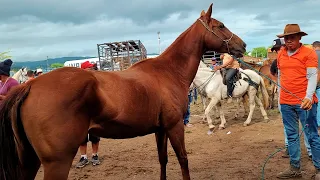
[162, 142]
[252, 94]
[236, 115]
[30, 163]
[176, 137]
[245, 101]
[58, 168]
[263, 111]
[57, 148]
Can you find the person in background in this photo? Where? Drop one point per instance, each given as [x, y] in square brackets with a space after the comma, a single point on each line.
[38, 72]
[7, 82]
[94, 139]
[316, 47]
[30, 75]
[298, 67]
[213, 62]
[187, 114]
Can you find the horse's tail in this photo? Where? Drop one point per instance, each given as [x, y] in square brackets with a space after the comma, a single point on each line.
[264, 93]
[12, 133]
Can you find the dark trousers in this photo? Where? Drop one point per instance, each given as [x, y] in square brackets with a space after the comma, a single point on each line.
[229, 79]
[92, 138]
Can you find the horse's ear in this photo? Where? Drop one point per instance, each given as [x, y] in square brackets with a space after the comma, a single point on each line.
[209, 12]
[203, 13]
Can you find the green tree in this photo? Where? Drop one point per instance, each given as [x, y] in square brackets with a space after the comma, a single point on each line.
[259, 52]
[56, 65]
[4, 55]
[247, 53]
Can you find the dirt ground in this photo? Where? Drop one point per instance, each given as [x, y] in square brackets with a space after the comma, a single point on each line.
[220, 156]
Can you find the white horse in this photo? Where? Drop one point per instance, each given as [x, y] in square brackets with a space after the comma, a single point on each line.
[21, 75]
[211, 85]
[204, 99]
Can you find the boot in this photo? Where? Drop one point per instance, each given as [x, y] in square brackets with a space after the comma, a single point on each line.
[286, 154]
[289, 173]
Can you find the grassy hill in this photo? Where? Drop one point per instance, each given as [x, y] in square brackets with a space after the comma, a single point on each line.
[43, 63]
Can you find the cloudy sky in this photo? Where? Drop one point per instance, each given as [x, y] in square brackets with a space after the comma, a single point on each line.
[35, 29]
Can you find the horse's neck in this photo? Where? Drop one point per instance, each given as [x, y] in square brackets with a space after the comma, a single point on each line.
[16, 75]
[204, 75]
[183, 56]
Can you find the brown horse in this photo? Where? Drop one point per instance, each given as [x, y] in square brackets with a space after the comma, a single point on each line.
[271, 87]
[44, 121]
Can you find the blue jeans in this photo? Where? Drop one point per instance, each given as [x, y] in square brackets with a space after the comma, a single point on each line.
[291, 114]
[318, 109]
[187, 114]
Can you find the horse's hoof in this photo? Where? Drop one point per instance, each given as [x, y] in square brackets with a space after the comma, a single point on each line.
[221, 127]
[245, 124]
[266, 120]
[210, 132]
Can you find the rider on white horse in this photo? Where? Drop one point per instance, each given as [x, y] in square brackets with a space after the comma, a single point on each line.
[231, 67]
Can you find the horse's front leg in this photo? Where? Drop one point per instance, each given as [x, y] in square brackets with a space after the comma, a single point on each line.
[217, 111]
[222, 118]
[212, 103]
[176, 137]
[204, 101]
[162, 142]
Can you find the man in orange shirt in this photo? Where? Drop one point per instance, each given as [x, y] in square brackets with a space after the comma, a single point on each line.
[298, 77]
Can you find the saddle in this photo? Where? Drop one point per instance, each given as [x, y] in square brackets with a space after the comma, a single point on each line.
[235, 78]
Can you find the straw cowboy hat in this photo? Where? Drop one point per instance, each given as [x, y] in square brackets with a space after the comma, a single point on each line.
[292, 29]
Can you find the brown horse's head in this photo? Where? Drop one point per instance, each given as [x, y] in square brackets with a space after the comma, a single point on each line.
[218, 37]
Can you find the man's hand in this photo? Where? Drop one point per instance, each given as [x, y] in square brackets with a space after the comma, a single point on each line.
[2, 97]
[217, 68]
[306, 104]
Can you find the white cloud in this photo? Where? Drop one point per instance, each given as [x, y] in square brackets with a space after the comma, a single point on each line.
[34, 31]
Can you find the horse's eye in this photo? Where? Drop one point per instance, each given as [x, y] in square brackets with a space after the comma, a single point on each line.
[221, 26]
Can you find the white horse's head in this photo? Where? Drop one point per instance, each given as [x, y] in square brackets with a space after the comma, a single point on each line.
[21, 75]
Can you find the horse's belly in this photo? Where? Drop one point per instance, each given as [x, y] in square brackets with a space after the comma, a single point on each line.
[118, 130]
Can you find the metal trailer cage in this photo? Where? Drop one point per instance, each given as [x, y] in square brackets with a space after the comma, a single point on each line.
[115, 56]
[206, 57]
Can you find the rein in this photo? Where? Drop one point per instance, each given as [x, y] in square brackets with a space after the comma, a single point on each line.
[223, 40]
[204, 84]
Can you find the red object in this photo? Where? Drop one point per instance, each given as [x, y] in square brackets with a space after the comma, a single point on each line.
[86, 65]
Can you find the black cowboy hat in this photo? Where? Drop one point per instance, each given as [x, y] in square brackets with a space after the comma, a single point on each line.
[277, 43]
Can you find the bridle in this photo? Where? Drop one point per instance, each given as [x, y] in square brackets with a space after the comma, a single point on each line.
[224, 40]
